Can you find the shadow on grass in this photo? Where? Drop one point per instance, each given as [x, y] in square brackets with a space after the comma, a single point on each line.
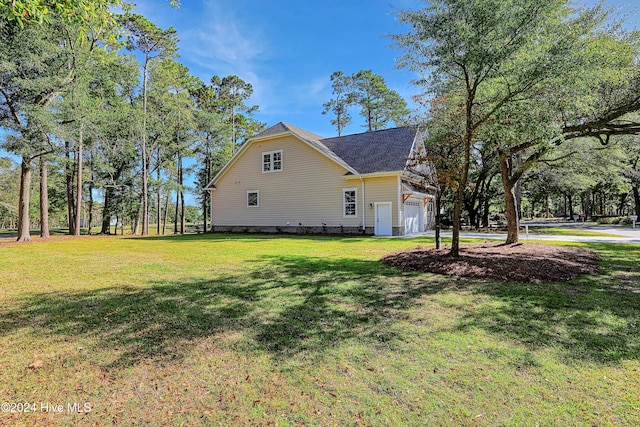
[290, 304]
[285, 305]
[595, 319]
[586, 320]
[135, 323]
[331, 300]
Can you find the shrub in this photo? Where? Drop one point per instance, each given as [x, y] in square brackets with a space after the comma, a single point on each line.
[624, 220]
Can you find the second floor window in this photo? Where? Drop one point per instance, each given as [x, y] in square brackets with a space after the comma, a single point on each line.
[272, 161]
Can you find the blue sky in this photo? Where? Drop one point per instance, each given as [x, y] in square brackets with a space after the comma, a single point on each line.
[288, 49]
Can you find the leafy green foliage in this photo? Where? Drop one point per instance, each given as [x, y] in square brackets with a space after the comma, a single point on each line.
[527, 75]
[378, 104]
[71, 11]
[230, 95]
[339, 105]
[9, 184]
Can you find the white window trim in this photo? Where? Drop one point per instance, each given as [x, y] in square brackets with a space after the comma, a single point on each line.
[258, 198]
[344, 204]
[271, 153]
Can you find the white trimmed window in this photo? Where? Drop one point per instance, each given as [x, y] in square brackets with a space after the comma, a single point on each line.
[349, 202]
[253, 198]
[272, 161]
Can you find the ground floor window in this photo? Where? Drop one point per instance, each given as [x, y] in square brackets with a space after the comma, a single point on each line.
[253, 198]
[349, 202]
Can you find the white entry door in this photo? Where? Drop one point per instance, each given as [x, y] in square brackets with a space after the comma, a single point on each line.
[383, 219]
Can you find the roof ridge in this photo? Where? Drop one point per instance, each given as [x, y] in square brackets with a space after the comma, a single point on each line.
[302, 132]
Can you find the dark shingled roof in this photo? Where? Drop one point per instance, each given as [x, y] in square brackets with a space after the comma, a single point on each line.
[369, 152]
[377, 151]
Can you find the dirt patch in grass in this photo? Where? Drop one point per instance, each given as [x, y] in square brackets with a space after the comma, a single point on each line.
[519, 262]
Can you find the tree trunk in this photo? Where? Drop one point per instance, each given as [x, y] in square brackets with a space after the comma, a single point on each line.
[181, 182]
[517, 188]
[485, 213]
[44, 199]
[136, 223]
[457, 211]
[90, 207]
[23, 202]
[145, 191]
[90, 202]
[69, 181]
[636, 198]
[176, 212]
[462, 184]
[438, 218]
[182, 213]
[204, 211]
[106, 211]
[159, 196]
[546, 202]
[145, 159]
[206, 195]
[510, 201]
[166, 212]
[621, 203]
[79, 187]
[473, 218]
[570, 201]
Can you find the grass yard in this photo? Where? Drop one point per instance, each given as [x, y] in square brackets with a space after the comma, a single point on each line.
[564, 231]
[297, 331]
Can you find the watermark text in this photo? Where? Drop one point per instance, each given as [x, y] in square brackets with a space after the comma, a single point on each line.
[50, 407]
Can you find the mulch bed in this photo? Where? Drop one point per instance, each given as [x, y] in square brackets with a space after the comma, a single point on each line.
[518, 262]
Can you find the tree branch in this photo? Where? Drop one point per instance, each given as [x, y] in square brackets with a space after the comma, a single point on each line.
[44, 153]
[528, 164]
[12, 109]
[597, 129]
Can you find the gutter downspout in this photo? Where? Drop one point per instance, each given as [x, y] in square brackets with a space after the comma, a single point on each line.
[364, 212]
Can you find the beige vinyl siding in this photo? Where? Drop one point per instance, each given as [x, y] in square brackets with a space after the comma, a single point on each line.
[307, 191]
[379, 189]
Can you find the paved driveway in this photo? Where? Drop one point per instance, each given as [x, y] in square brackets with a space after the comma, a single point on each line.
[626, 234]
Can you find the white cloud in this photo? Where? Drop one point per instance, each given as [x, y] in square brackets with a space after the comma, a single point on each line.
[318, 86]
[217, 38]
[219, 42]
[216, 41]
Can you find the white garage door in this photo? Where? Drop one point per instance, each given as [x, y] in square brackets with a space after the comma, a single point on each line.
[412, 216]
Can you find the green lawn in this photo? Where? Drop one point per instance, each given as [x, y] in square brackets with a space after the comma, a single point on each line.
[563, 231]
[255, 330]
